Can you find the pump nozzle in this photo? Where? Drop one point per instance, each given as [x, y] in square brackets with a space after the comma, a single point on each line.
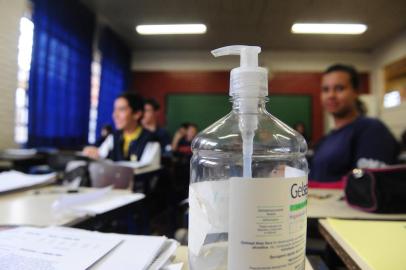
[248, 79]
[248, 83]
[249, 54]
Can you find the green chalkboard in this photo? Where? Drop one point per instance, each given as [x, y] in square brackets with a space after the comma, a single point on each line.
[204, 109]
[201, 109]
[292, 109]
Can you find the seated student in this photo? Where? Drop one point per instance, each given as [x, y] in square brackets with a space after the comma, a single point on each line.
[182, 144]
[355, 141]
[130, 139]
[150, 122]
[179, 135]
[300, 127]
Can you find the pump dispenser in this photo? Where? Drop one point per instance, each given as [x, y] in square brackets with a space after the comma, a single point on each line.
[248, 182]
[248, 83]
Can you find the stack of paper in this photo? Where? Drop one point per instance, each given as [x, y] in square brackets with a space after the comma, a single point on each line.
[12, 180]
[29, 248]
[61, 248]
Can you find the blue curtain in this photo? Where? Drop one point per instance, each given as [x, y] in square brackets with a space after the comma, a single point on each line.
[115, 72]
[59, 85]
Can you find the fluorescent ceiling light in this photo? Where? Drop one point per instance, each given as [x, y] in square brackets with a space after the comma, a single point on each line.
[329, 28]
[169, 29]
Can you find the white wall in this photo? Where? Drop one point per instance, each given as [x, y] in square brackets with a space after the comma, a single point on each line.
[273, 60]
[10, 14]
[393, 50]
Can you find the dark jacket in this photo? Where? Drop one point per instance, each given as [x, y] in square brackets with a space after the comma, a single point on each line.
[338, 152]
[136, 146]
[162, 136]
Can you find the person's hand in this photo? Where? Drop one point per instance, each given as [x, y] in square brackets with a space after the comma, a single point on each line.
[179, 134]
[91, 151]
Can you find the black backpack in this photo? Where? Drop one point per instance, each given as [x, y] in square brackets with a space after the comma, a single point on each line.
[380, 190]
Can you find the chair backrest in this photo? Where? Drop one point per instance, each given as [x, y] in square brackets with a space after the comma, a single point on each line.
[58, 161]
[71, 165]
[104, 174]
[76, 174]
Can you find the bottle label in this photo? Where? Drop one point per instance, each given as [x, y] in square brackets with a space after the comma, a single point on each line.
[208, 212]
[267, 223]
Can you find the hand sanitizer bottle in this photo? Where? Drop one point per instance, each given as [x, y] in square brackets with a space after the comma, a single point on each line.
[248, 183]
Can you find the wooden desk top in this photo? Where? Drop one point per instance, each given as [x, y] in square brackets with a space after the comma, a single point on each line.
[34, 207]
[367, 245]
[181, 255]
[351, 259]
[323, 203]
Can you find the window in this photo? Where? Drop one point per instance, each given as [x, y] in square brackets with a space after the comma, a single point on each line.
[94, 95]
[24, 64]
[392, 99]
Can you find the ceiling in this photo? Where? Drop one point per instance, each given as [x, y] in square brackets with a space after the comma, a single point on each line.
[254, 22]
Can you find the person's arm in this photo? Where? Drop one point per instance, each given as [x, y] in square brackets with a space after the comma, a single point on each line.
[176, 139]
[100, 152]
[91, 152]
[106, 147]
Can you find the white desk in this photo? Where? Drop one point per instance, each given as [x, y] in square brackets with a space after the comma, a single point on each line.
[323, 203]
[34, 207]
[181, 255]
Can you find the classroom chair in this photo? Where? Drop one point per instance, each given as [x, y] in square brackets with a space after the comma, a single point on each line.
[104, 174]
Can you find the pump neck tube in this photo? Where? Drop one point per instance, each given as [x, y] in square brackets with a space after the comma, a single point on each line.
[257, 104]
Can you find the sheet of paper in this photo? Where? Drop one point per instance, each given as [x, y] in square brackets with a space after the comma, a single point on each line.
[175, 266]
[136, 252]
[68, 201]
[28, 248]
[12, 180]
[293, 172]
[103, 206]
[379, 244]
[167, 251]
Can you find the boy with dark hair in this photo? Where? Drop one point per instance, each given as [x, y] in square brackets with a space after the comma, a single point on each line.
[130, 139]
[150, 122]
[182, 145]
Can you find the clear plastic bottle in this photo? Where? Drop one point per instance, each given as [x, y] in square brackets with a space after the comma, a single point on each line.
[248, 185]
